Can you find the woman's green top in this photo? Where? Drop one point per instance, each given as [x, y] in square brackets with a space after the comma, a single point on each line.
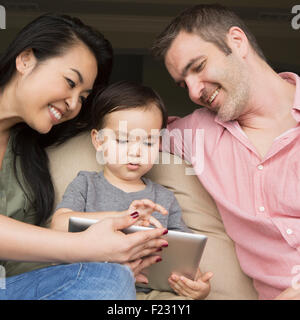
[14, 204]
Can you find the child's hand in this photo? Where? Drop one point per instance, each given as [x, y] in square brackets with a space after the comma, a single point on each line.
[145, 208]
[195, 289]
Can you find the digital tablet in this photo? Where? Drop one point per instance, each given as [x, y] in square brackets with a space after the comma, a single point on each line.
[182, 256]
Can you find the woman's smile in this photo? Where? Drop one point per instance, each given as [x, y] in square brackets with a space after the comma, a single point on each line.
[55, 113]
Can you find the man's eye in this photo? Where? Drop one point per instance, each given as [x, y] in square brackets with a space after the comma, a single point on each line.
[71, 83]
[199, 67]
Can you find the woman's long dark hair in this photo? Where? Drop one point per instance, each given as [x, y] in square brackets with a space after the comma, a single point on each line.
[48, 36]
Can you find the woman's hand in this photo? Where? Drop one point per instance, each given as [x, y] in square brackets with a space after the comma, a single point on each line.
[197, 289]
[104, 241]
[138, 265]
[145, 208]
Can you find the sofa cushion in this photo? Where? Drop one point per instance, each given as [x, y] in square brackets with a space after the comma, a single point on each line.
[198, 209]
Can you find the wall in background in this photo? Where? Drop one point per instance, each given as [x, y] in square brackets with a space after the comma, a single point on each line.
[131, 26]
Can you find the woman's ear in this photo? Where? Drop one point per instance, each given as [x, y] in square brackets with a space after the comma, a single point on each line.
[25, 61]
[97, 143]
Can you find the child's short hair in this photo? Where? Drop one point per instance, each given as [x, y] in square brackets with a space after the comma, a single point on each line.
[125, 95]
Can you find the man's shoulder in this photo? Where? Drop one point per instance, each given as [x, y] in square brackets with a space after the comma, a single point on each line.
[200, 117]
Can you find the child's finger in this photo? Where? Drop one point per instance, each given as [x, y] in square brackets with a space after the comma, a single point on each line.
[134, 205]
[155, 222]
[198, 274]
[172, 286]
[161, 209]
[177, 287]
[203, 276]
[176, 279]
[207, 276]
[149, 205]
[155, 206]
[190, 284]
[197, 289]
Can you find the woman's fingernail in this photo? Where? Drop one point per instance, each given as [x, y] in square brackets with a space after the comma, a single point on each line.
[165, 245]
[158, 259]
[165, 232]
[134, 214]
[159, 249]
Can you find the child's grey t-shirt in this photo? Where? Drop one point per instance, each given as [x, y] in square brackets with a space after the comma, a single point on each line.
[91, 192]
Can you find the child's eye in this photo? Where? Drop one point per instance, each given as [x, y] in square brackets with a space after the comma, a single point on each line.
[149, 143]
[120, 141]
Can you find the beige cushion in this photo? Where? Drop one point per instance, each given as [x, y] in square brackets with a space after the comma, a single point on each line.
[198, 208]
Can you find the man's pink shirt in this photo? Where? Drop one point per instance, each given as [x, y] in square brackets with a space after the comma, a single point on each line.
[258, 199]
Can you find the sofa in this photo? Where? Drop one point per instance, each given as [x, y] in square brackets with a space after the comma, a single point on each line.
[198, 208]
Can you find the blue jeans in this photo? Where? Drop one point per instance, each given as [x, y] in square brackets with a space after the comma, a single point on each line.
[78, 281]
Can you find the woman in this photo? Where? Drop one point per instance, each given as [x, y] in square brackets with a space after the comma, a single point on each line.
[47, 77]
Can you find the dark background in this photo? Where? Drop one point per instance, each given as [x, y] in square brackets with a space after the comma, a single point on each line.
[132, 25]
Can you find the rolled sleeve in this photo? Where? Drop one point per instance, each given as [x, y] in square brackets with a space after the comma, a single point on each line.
[75, 195]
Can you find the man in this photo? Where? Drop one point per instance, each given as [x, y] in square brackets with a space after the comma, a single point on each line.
[251, 139]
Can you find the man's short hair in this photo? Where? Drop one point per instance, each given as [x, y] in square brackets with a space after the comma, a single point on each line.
[210, 22]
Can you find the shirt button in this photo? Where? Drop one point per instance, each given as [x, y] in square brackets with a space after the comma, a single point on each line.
[289, 231]
[260, 167]
[261, 209]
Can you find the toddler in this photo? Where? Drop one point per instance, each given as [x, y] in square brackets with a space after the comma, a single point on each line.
[127, 120]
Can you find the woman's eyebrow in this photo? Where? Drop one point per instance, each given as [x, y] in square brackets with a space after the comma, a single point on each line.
[78, 74]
